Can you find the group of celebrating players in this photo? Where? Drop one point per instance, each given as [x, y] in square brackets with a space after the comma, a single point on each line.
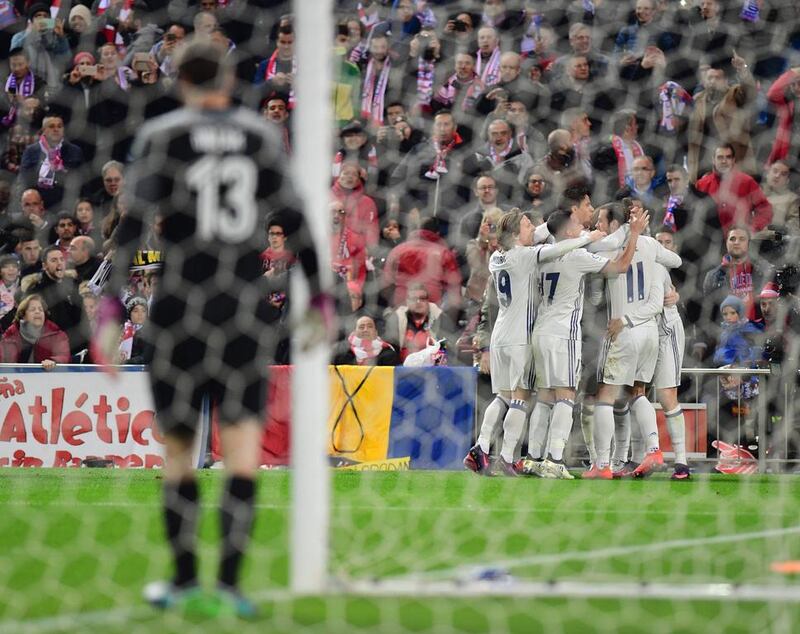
[540, 276]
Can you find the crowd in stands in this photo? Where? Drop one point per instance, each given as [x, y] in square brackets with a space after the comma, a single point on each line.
[448, 113]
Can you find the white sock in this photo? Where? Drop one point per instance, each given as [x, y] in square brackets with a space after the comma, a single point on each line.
[494, 413]
[677, 433]
[560, 427]
[537, 429]
[644, 414]
[513, 425]
[637, 445]
[603, 433]
[622, 434]
[587, 420]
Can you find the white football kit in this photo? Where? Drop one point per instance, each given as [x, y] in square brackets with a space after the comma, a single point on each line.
[557, 331]
[671, 342]
[636, 297]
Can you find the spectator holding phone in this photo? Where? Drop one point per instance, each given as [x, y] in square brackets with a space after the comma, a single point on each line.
[44, 42]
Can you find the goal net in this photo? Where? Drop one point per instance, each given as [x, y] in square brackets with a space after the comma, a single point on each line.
[397, 491]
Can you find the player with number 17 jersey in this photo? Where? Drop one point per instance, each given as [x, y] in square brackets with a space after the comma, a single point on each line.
[212, 176]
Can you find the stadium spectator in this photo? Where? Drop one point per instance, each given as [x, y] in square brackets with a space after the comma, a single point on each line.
[20, 85]
[164, 50]
[558, 167]
[113, 180]
[81, 30]
[66, 228]
[279, 69]
[276, 259]
[34, 214]
[581, 43]
[785, 95]
[613, 161]
[50, 166]
[486, 193]
[364, 346]
[44, 42]
[645, 185]
[477, 254]
[528, 137]
[785, 202]
[379, 80]
[361, 213]
[275, 109]
[722, 114]
[738, 274]
[60, 294]
[356, 147]
[500, 156]
[82, 258]
[739, 198]
[416, 323]
[25, 131]
[348, 252]
[460, 91]
[510, 85]
[9, 287]
[33, 338]
[536, 195]
[88, 225]
[29, 251]
[576, 121]
[429, 178]
[425, 259]
[136, 309]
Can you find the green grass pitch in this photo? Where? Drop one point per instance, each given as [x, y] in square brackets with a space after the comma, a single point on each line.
[78, 545]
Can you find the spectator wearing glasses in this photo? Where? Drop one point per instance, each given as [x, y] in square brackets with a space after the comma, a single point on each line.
[485, 192]
[276, 259]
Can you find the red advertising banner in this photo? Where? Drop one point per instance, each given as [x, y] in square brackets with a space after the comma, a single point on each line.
[58, 419]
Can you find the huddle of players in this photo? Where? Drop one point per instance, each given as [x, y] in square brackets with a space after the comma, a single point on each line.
[536, 343]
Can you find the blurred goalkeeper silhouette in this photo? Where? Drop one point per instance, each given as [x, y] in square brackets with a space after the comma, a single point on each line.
[212, 172]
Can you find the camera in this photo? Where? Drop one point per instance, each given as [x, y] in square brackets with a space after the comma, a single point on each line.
[787, 278]
[459, 26]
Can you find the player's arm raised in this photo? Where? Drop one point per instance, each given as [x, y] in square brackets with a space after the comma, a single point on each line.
[556, 250]
[620, 265]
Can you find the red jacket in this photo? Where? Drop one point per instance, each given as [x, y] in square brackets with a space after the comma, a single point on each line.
[361, 213]
[739, 200]
[785, 115]
[348, 256]
[53, 344]
[423, 258]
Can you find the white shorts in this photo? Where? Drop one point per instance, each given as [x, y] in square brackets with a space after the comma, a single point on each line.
[670, 356]
[557, 361]
[511, 368]
[630, 357]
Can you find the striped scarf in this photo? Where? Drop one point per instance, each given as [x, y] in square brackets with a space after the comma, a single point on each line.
[623, 158]
[374, 92]
[425, 73]
[490, 72]
[24, 89]
[272, 70]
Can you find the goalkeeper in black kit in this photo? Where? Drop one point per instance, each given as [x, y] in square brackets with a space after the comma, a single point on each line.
[212, 172]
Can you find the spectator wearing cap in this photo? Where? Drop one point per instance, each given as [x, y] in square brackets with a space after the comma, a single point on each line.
[9, 286]
[136, 309]
[81, 30]
[51, 165]
[356, 146]
[44, 43]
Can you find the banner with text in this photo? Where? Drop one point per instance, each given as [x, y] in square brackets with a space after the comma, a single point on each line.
[58, 419]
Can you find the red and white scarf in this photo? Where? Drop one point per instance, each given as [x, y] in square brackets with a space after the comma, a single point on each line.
[625, 156]
[490, 72]
[447, 93]
[498, 157]
[373, 92]
[440, 162]
[272, 70]
[51, 164]
[366, 350]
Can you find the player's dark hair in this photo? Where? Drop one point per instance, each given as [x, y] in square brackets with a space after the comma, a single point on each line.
[286, 29]
[573, 195]
[617, 211]
[202, 65]
[557, 220]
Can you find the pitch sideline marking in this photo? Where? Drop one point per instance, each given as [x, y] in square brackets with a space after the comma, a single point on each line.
[599, 553]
